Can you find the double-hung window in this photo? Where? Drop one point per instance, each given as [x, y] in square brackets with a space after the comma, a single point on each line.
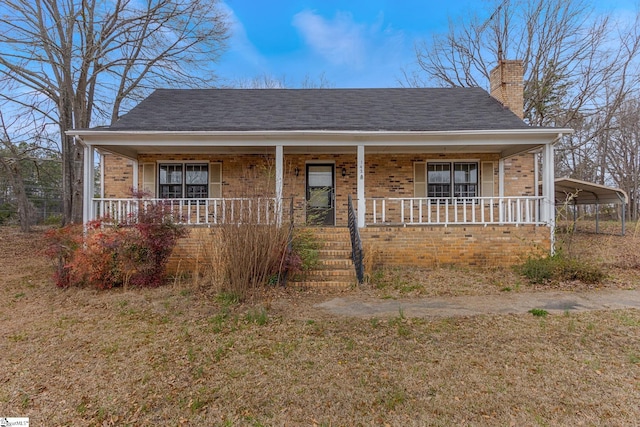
[446, 179]
[465, 178]
[184, 181]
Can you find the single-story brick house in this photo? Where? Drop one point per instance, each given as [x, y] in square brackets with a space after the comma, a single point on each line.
[437, 175]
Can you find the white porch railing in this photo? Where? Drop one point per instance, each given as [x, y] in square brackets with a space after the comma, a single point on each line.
[194, 211]
[438, 211]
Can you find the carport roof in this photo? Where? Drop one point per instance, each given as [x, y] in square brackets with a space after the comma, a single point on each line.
[587, 192]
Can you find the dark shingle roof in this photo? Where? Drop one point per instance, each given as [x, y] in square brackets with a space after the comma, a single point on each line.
[399, 109]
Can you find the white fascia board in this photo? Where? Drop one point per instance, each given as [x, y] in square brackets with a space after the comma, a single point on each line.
[325, 138]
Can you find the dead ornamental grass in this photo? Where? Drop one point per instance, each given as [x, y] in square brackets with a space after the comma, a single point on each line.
[173, 356]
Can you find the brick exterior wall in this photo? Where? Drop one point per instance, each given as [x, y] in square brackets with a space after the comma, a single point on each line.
[474, 246]
[387, 175]
[519, 175]
[118, 176]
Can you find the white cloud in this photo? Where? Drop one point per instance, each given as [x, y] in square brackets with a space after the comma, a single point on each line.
[340, 40]
[239, 43]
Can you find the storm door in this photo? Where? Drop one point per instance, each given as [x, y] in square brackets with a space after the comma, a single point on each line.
[320, 195]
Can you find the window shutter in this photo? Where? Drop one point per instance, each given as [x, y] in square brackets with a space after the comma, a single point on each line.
[215, 180]
[487, 179]
[149, 179]
[419, 179]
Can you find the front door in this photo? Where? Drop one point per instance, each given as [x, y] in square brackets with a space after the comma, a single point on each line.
[320, 195]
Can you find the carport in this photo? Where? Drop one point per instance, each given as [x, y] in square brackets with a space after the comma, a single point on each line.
[575, 192]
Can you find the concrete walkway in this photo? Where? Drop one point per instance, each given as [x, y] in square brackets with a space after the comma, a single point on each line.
[553, 302]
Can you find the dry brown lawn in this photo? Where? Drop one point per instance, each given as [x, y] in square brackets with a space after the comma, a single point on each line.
[179, 356]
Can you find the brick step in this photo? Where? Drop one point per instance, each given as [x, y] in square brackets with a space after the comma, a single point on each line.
[334, 253]
[330, 272]
[333, 262]
[335, 269]
[335, 245]
[340, 274]
[325, 285]
[343, 237]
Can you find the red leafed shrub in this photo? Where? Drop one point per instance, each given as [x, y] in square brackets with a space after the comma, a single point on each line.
[62, 244]
[112, 255]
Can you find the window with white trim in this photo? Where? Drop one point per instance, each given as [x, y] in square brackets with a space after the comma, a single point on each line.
[446, 179]
[183, 180]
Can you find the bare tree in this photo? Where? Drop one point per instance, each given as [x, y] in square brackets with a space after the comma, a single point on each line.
[268, 81]
[263, 81]
[623, 153]
[18, 146]
[580, 68]
[78, 62]
[570, 55]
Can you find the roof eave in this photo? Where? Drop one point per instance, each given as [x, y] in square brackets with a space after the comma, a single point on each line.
[323, 133]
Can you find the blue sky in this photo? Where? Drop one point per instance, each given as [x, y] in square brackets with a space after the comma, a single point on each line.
[355, 43]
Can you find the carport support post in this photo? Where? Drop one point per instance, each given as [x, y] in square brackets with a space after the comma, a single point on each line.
[361, 201]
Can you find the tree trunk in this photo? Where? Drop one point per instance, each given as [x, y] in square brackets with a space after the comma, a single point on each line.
[24, 205]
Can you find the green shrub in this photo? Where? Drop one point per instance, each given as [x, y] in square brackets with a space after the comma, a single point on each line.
[306, 246]
[538, 270]
[574, 269]
[559, 267]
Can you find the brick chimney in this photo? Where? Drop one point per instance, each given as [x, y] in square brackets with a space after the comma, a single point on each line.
[507, 85]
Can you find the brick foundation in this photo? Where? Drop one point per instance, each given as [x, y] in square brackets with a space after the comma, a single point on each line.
[475, 246]
[437, 246]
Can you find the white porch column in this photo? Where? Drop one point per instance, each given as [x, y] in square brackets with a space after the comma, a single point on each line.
[134, 184]
[279, 181]
[501, 177]
[361, 201]
[536, 186]
[548, 190]
[101, 175]
[87, 184]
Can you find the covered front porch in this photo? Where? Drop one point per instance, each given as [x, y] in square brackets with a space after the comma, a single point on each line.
[307, 178]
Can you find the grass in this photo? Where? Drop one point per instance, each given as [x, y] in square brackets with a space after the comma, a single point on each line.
[177, 356]
[539, 312]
